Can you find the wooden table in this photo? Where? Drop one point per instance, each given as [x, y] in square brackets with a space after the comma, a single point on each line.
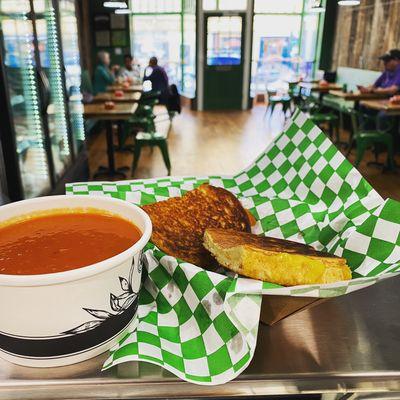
[121, 112]
[358, 96]
[117, 86]
[382, 105]
[129, 97]
[316, 87]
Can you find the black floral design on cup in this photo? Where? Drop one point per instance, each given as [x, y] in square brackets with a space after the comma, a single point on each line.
[118, 304]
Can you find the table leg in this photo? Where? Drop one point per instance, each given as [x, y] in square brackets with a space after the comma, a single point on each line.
[122, 147]
[110, 171]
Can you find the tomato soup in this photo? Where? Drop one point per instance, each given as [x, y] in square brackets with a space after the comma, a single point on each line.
[61, 241]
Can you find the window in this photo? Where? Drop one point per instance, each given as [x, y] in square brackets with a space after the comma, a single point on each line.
[167, 29]
[224, 37]
[308, 44]
[209, 5]
[275, 6]
[156, 6]
[215, 5]
[232, 4]
[189, 53]
[158, 35]
[284, 42]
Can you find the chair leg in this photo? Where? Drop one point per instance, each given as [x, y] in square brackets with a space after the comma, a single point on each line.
[163, 145]
[351, 144]
[136, 155]
[286, 107]
[330, 127]
[361, 147]
[121, 134]
[337, 131]
[390, 154]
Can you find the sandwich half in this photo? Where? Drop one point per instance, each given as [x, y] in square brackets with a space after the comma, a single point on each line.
[179, 222]
[274, 260]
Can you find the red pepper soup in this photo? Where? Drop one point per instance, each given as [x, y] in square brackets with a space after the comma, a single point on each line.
[61, 241]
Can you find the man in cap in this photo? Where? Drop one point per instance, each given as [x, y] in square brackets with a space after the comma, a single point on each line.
[389, 81]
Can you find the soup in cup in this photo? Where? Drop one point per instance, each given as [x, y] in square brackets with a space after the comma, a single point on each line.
[70, 274]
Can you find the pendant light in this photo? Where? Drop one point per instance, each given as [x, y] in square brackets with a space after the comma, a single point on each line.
[115, 4]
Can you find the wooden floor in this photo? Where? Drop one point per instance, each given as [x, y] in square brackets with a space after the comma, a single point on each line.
[204, 143]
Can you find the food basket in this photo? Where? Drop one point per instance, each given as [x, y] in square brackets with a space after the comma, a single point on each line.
[202, 326]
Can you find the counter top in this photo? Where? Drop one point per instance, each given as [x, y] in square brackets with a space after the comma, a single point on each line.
[346, 344]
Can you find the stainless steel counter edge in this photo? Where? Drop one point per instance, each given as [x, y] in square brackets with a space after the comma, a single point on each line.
[142, 388]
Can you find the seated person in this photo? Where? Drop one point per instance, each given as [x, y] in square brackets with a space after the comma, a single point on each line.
[389, 82]
[158, 78]
[129, 70]
[103, 75]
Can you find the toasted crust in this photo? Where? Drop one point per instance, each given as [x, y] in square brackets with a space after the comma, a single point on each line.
[274, 260]
[179, 222]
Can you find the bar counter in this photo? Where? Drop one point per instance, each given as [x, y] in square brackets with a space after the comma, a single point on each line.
[344, 345]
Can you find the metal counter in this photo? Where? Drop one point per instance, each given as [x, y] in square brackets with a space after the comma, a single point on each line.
[347, 344]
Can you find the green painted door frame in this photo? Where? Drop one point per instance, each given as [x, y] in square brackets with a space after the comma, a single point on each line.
[223, 84]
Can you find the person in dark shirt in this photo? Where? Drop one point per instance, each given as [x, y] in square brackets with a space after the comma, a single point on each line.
[389, 81]
[158, 78]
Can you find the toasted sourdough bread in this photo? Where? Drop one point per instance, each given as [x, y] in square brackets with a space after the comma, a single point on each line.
[179, 222]
[274, 260]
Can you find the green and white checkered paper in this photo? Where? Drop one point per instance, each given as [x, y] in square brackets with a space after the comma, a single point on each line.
[202, 326]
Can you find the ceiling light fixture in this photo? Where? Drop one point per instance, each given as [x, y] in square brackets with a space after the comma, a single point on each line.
[349, 2]
[115, 4]
[317, 7]
[122, 11]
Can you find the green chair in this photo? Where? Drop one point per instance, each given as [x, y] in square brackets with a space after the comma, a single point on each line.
[154, 139]
[142, 120]
[320, 115]
[370, 138]
[274, 99]
[332, 120]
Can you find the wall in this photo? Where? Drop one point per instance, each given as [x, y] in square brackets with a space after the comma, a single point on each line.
[89, 10]
[365, 32]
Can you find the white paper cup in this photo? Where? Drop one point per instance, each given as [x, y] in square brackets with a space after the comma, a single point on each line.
[66, 317]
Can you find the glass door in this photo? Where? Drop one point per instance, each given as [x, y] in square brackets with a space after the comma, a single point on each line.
[53, 95]
[23, 88]
[72, 70]
[223, 69]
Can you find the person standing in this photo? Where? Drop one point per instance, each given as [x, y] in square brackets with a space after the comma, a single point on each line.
[103, 75]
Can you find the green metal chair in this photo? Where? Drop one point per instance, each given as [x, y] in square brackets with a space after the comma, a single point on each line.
[142, 120]
[370, 138]
[329, 118]
[154, 139]
[321, 116]
[274, 99]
